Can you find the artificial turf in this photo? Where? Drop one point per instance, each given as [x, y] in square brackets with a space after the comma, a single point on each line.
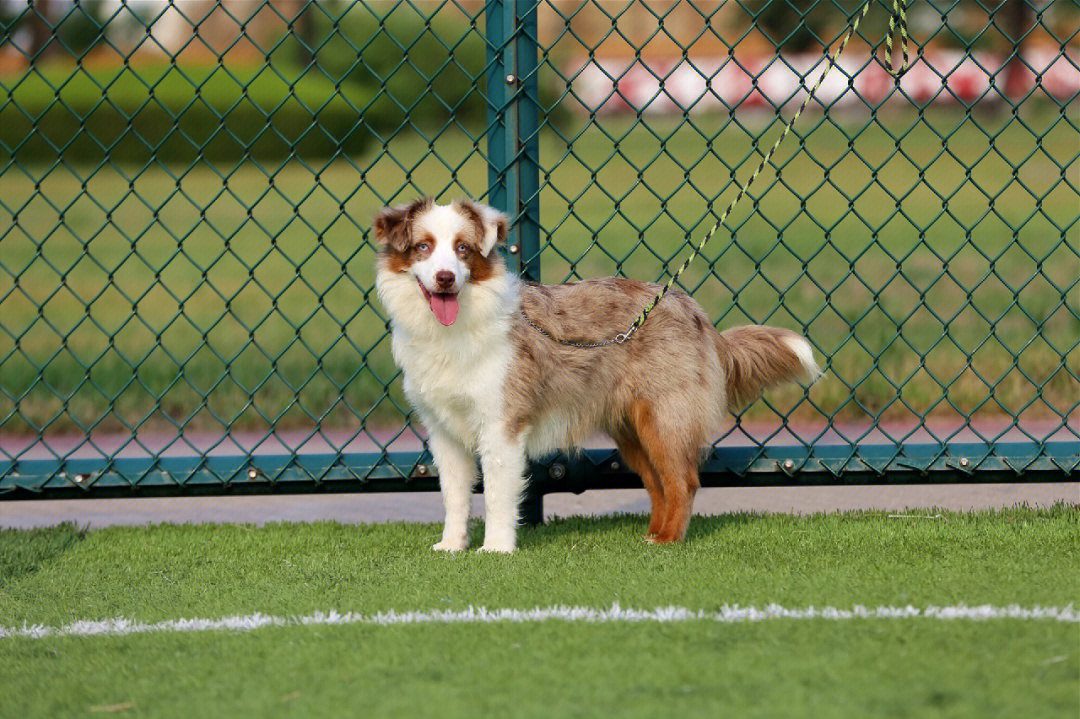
[911, 667]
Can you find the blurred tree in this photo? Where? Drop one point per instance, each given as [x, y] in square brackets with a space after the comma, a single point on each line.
[40, 19]
[304, 30]
[72, 28]
[10, 18]
[803, 25]
[420, 68]
[1018, 20]
[81, 28]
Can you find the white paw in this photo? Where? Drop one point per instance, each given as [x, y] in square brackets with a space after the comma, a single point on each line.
[502, 542]
[452, 545]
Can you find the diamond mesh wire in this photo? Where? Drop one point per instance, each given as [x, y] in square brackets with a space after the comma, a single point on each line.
[910, 230]
[186, 279]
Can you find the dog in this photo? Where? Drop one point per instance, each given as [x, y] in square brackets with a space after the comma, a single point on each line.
[488, 384]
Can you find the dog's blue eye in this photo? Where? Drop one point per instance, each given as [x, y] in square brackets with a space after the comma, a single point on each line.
[423, 247]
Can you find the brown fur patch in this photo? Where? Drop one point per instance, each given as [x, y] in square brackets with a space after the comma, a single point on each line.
[394, 225]
[396, 261]
[636, 459]
[400, 260]
[477, 218]
[481, 268]
[472, 214]
[677, 472]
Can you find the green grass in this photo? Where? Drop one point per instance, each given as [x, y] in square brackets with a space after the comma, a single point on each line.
[132, 268]
[23, 552]
[818, 668]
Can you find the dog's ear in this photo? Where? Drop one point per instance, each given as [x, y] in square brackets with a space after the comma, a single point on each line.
[493, 224]
[391, 224]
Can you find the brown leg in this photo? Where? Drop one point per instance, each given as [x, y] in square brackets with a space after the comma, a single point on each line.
[680, 511]
[676, 466]
[637, 460]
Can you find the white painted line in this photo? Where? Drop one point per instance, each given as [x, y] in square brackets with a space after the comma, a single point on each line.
[482, 615]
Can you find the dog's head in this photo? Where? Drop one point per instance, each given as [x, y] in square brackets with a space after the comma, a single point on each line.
[445, 247]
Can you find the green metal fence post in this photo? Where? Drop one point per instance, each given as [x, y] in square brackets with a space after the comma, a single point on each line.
[513, 137]
[514, 149]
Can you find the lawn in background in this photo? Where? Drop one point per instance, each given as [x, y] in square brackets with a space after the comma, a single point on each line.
[133, 268]
[809, 668]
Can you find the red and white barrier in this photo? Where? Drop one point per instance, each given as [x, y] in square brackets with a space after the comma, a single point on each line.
[614, 86]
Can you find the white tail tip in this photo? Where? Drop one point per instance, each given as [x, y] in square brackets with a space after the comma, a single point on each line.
[805, 353]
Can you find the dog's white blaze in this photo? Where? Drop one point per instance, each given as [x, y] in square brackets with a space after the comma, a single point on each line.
[801, 347]
[444, 224]
[727, 614]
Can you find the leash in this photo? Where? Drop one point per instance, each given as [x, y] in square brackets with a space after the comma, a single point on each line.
[897, 23]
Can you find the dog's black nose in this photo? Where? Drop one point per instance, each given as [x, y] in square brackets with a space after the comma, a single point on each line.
[444, 279]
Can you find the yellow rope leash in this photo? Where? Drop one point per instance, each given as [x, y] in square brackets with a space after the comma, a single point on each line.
[897, 21]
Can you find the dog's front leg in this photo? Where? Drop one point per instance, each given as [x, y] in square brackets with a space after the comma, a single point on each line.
[503, 463]
[457, 475]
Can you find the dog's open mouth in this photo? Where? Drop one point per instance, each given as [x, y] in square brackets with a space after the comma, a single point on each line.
[443, 304]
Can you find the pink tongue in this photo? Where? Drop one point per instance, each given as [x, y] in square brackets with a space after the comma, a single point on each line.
[445, 308]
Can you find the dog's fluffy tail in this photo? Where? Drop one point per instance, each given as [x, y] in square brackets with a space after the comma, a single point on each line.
[755, 357]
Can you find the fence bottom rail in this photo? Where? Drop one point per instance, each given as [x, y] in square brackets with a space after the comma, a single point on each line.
[787, 465]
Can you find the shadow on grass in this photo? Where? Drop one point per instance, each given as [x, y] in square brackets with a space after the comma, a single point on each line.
[22, 552]
[631, 526]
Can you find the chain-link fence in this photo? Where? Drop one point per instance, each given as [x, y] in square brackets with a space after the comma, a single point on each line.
[186, 270]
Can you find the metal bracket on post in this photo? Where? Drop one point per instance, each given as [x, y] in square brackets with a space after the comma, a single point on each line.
[514, 151]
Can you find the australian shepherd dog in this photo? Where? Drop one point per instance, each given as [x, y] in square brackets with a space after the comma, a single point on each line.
[487, 384]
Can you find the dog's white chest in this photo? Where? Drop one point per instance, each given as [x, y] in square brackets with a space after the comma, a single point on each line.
[454, 383]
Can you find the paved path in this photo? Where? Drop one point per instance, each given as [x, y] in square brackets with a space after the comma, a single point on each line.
[427, 506]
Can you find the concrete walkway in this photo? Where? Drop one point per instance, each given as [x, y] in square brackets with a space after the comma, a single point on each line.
[427, 506]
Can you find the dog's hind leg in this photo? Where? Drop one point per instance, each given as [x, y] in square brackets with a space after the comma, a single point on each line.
[673, 454]
[636, 459]
[680, 487]
[457, 475]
